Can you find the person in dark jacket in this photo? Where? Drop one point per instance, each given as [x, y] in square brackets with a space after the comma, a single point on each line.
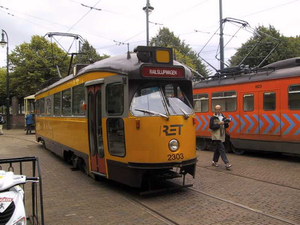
[29, 122]
[1, 124]
[218, 124]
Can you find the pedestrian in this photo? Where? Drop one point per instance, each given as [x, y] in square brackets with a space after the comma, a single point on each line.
[218, 124]
[1, 124]
[29, 123]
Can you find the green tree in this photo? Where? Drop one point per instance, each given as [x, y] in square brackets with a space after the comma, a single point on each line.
[184, 54]
[34, 63]
[288, 47]
[88, 54]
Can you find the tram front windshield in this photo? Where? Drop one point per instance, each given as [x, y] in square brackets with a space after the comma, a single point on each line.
[160, 100]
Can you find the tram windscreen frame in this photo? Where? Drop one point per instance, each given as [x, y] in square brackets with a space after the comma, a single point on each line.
[160, 98]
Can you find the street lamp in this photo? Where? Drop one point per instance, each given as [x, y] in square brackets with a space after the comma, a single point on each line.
[3, 43]
[148, 9]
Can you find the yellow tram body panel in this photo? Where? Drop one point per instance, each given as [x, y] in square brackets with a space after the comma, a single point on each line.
[149, 143]
[71, 132]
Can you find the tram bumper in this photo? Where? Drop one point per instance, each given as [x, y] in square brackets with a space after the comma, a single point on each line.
[187, 166]
[133, 173]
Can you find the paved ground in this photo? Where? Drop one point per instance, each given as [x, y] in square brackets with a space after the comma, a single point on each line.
[260, 189]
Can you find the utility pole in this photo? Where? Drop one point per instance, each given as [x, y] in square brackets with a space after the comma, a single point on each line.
[148, 9]
[221, 38]
[3, 43]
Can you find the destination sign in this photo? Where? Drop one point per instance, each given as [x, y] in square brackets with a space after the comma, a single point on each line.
[149, 71]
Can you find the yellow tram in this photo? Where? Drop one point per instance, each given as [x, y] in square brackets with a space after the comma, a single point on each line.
[128, 118]
[29, 104]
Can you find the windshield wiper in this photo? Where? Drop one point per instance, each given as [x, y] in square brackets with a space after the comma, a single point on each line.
[186, 115]
[152, 112]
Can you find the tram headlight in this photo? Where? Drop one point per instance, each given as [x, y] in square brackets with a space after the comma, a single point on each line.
[173, 145]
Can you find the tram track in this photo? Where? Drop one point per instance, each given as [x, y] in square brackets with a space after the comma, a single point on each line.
[244, 207]
[149, 210]
[169, 221]
[17, 138]
[250, 178]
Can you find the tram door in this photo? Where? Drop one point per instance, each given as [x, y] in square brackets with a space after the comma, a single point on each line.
[95, 105]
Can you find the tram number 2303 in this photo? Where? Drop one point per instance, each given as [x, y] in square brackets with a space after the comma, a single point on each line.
[175, 156]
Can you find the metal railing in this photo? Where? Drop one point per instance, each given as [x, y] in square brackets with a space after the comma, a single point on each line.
[36, 187]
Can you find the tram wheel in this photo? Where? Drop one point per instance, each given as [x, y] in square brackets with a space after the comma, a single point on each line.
[200, 144]
[44, 144]
[237, 151]
[96, 177]
[75, 160]
[82, 165]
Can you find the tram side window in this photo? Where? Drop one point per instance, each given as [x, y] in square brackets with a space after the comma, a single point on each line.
[201, 102]
[57, 107]
[116, 136]
[226, 99]
[78, 100]
[48, 106]
[66, 102]
[269, 101]
[42, 106]
[248, 102]
[294, 96]
[115, 99]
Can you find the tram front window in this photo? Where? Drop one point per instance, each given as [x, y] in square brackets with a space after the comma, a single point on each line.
[148, 102]
[160, 101]
[176, 101]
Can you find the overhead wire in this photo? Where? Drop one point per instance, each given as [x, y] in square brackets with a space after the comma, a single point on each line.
[91, 8]
[33, 16]
[185, 10]
[82, 17]
[179, 13]
[138, 34]
[264, 10]
[250, 29]
[97, 35]
[254, 13]
[70, 28]
[25, 20]
[160, 24]
[109, 11]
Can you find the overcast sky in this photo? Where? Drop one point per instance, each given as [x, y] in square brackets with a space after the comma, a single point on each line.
[125, 21]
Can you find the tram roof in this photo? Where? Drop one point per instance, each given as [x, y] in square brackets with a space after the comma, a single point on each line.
[29, 97]
[270, 72]
[123, 65]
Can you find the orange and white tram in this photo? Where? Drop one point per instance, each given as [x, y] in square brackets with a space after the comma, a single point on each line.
[264, 106]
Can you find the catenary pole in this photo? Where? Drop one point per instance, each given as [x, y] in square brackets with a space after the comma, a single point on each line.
[3, 42]
[221, 37]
